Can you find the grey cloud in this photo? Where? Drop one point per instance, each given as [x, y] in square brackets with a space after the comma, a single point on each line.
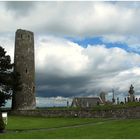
[106, 69]
[59, 86]
[56, 80]
[78, 19]
[73, 18]
[21, 8]
[69, 81]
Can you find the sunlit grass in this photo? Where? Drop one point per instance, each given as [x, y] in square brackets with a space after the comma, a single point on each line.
[91, 128]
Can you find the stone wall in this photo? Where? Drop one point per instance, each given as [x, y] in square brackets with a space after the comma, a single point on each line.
[133, 112]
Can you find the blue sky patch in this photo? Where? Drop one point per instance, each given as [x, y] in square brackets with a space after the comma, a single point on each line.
[84, 42]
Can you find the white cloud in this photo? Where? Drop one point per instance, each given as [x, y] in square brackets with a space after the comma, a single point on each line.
[52, 101]
[114, 38]
[7, 42]
[114, 21]
[65, 67]
[73, 18]
[133, 42]
[48, 102]
[59, 56]
[104, 68]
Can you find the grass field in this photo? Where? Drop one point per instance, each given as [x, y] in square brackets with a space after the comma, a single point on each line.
[64, 128]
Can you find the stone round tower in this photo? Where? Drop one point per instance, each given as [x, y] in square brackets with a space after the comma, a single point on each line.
[24, 64]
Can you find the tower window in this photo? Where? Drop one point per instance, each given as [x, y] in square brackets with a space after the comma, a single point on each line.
[21, 36]
[29, 37]
[26, 70]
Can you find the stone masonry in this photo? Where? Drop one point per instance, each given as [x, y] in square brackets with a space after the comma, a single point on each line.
[24, 64]
[124, 113]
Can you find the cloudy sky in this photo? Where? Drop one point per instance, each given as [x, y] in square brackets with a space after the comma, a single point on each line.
[81, 48]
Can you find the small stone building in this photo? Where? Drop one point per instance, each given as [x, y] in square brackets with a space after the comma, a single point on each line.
[86, 101]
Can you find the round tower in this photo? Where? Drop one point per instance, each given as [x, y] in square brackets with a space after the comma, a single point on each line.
[24, 64]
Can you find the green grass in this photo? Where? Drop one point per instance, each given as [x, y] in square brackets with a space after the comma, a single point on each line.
[94, 129]
[116, 106]
[22, 122]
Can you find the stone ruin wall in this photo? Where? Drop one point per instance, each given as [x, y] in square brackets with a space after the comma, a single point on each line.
[133, 112]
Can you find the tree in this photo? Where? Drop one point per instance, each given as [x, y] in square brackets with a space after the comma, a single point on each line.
[6, 77]
[9, 82]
